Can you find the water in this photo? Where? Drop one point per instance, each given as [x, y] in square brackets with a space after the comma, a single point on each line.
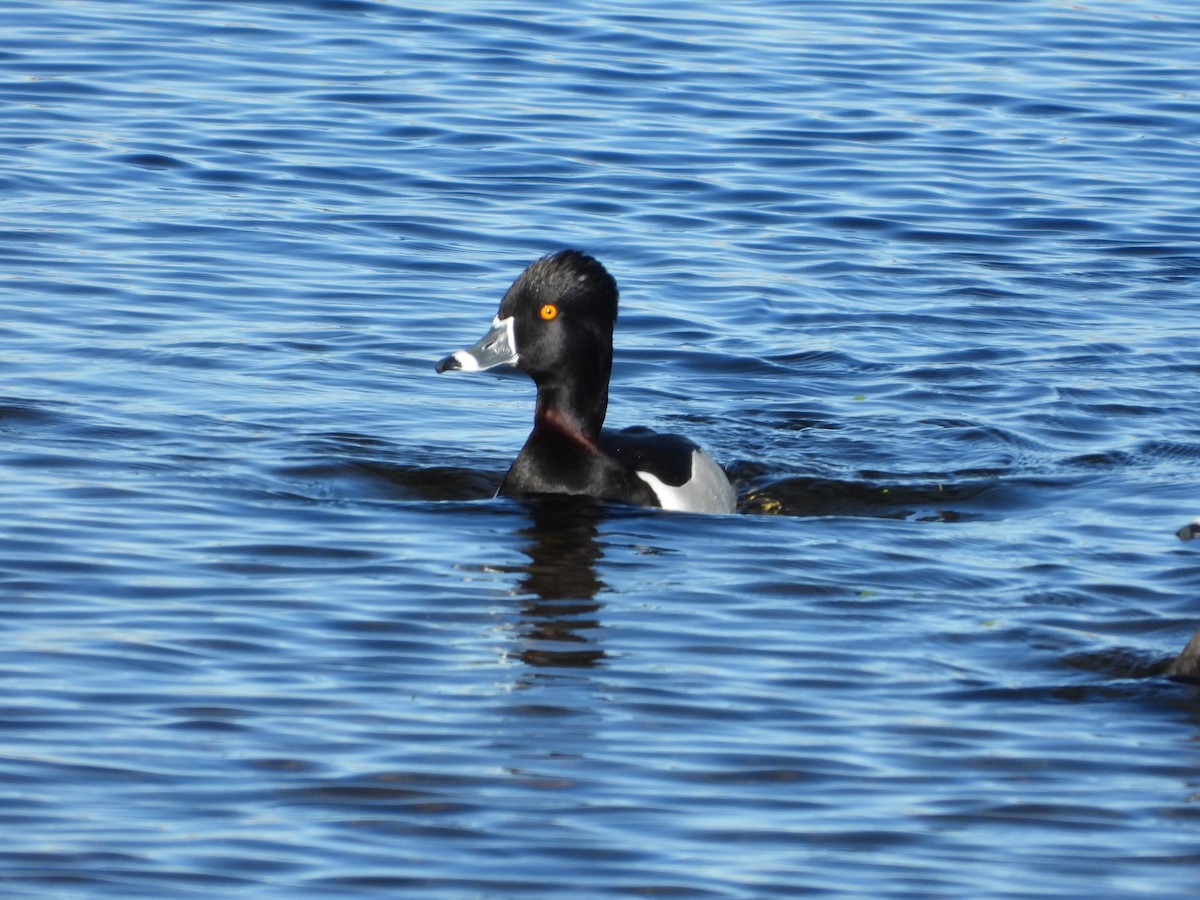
[923, 275]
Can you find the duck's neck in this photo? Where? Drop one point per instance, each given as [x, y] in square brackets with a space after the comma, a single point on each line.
[575, 406]
[579, 418]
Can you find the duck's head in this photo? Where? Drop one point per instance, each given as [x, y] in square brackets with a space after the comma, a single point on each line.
[555, 322]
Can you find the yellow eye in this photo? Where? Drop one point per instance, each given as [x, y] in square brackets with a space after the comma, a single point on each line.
[549, 311]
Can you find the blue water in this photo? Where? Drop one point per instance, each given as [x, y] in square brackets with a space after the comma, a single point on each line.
[924, 276]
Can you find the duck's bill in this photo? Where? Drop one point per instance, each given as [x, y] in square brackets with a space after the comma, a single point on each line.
[496, 348]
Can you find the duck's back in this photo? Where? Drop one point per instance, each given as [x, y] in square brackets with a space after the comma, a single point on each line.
[682, 476]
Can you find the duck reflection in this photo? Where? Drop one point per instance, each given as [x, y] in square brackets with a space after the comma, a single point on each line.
[559, 610]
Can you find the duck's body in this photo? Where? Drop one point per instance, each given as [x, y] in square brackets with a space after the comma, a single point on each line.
[555, 323]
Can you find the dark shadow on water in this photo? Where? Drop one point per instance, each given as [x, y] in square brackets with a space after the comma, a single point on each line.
[356, 465]
[956, 498]
[559, 610]
[348, 465]
[430, 482]
[953, 497]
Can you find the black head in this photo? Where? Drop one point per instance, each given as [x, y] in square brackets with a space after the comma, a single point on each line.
[556, 324]
[563, 309]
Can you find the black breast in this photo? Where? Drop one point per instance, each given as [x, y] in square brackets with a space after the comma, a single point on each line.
[553, 463]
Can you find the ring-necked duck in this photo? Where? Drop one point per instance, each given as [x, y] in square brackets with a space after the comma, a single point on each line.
[556, 324]
[1187, 663]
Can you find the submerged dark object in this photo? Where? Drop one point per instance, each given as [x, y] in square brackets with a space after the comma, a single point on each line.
[1187, 663]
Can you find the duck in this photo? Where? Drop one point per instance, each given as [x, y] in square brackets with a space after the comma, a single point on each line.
[1187, 664]
[1189, 531]
[555, 324]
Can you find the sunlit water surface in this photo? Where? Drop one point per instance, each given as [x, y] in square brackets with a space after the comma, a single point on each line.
[923, 275]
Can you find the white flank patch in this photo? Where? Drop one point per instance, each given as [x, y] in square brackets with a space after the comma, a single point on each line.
[707, 491]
